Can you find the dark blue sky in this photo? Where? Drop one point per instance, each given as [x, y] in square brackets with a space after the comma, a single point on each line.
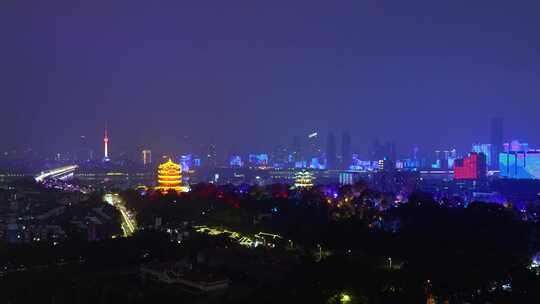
[255, 73]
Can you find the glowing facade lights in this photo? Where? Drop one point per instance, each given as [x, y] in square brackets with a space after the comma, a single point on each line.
[170, 177]
[303, 179]
[520, 164]
[147, 157]
[471, 167]
[106, 146]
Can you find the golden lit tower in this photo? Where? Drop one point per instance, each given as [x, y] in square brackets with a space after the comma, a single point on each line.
[170, 177]
[303, 179]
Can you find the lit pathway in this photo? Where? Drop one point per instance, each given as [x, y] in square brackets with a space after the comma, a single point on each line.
[128, 222]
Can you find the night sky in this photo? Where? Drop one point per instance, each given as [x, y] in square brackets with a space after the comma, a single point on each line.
[252, 74]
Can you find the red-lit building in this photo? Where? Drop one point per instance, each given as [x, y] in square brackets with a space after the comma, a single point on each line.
[471, 167]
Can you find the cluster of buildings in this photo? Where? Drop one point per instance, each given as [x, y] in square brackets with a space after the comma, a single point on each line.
[515, 161]
[329, 161]
[306, 152]
[29, 215]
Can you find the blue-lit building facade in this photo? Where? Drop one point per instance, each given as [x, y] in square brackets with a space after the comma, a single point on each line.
[515, 146]
[235, 161]
[186, 162]
[518, 161]
[486, 149]
[520, 164]
[258, 160]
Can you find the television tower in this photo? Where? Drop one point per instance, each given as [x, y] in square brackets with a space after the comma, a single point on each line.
[106, 145]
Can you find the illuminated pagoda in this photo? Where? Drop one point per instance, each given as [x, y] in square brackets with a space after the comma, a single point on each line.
[170, 177]
[303, 179]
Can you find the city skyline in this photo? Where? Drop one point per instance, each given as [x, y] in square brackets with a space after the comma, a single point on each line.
[94, 144]
[352, 151]
[159, 73]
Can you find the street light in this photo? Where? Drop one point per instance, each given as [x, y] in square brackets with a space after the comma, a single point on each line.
[345, 298]
[389, 263]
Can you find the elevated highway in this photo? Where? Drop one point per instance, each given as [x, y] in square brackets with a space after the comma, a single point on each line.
[57, 173]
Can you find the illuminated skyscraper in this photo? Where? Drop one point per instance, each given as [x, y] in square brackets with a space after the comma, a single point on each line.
[147, 157]
[186, 162]
[486, 149]
[170, 177]
[313, 146]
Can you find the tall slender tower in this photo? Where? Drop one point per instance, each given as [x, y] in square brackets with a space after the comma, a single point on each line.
[106, 146]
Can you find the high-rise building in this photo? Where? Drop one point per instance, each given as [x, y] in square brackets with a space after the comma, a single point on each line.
[331, 154]
[186, 162]
[313, 146]
[211, 156]
[497, 137]
[471, 167]
[520, 164]
[346, 154]
[385, 165]
[147, 157]
[451, 158]
[281, 157]
[487, 150]
[444, 159]
[317, 163]
[170, 177]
